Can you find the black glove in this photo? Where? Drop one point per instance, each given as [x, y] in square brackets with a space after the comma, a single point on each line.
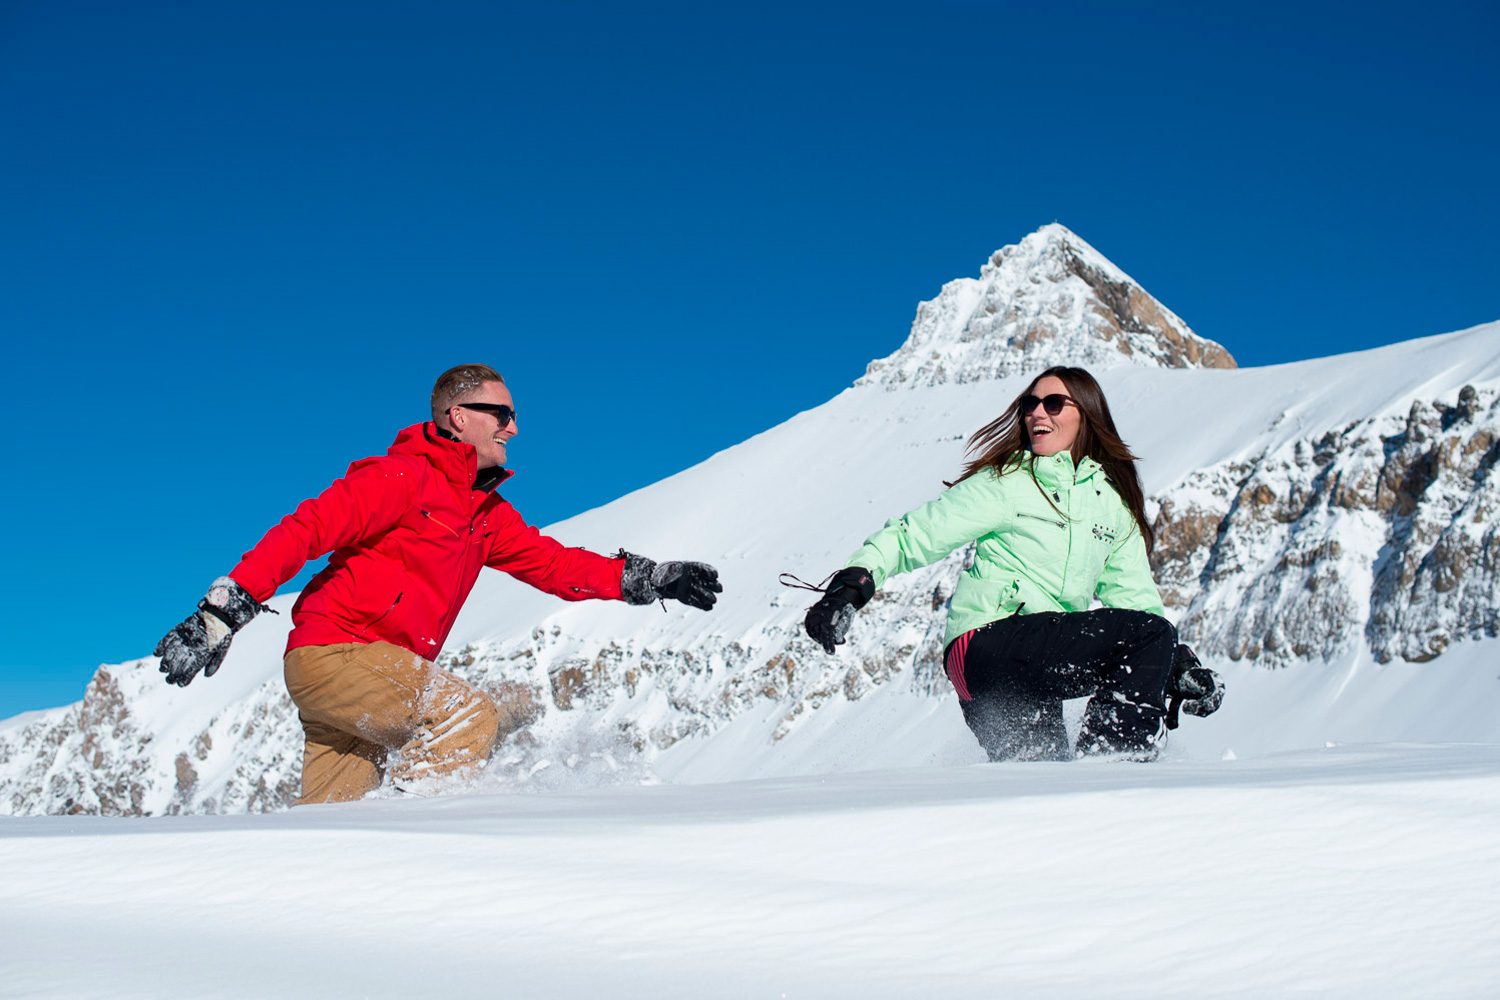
[828, 621]
[202, 640]
[1194, 688]
[692, 583]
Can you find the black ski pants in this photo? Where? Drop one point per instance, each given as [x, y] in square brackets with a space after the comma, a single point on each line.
[1013, 675]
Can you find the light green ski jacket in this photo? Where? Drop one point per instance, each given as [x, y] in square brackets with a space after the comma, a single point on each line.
[1030, 557]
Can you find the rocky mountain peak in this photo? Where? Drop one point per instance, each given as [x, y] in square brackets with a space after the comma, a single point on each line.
[1050, 299]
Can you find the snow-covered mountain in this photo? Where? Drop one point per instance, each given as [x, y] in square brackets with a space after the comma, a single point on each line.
[1329, 515]
[1049, 300]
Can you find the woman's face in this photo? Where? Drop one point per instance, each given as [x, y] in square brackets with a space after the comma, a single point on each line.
[1051, 434]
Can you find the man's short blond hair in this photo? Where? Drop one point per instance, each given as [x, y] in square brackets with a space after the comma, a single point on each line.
[457, 385]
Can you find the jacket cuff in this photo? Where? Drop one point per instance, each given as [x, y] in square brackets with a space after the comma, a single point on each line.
[230, 603]
[635, 580]
[858, 580]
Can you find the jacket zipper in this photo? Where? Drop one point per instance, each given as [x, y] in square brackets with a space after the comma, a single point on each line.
[1038, 517]
[428, 514]
[463, 559]
[376, 620]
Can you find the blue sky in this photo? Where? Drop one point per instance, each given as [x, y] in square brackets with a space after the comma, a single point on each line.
[239, 241]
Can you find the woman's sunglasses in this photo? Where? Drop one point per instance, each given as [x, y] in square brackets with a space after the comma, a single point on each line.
[1053, 403]
[499, 411]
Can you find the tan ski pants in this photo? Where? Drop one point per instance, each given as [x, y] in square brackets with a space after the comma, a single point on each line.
[369, 708]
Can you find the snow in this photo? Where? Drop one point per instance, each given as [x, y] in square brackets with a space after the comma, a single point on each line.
[24, 719]
[1354, 871]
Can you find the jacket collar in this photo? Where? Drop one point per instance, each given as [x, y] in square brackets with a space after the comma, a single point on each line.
[456, 461]
[1058, 472]
[489, 479]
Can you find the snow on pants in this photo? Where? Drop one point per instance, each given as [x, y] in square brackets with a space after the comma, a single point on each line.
[369, 708]
[1012, 676]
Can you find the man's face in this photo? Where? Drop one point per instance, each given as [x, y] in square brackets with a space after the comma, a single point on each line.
[482, 428]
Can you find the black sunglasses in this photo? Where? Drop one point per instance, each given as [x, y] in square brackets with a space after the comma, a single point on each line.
[1053, 404]
[499, 411]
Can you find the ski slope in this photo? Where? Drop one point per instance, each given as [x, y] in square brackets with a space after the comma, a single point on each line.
[1351, 871]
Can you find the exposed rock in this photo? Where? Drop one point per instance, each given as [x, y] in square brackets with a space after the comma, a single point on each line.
[1259, 553]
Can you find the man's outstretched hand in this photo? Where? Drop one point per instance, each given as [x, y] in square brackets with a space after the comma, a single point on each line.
[693, 583]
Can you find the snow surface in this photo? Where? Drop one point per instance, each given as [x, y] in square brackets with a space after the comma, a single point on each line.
[1364, 871]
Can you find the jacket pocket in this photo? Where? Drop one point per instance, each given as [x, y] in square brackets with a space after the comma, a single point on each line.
[1045, 520]
[1038, 540]
[382, 615]
[429, 516]
[1101, 543]
[1009, 603]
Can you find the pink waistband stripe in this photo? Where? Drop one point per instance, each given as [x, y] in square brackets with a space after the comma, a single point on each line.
[955, 665]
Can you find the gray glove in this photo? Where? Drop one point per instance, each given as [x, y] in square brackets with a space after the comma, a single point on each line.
[202, 640]
[692, 583]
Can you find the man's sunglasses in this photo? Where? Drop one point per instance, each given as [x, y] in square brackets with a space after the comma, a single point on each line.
[499, 411]
[1053, 404]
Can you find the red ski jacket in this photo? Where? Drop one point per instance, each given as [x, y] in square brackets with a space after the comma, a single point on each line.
[409, 531]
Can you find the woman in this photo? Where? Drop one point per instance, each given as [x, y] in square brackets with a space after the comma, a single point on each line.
[1055, 504]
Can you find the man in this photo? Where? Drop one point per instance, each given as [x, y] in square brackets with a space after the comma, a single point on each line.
[409, 531]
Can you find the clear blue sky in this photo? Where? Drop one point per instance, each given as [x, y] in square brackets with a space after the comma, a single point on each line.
[238, 241]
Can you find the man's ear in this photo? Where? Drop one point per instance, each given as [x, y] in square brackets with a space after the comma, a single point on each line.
[456, 418]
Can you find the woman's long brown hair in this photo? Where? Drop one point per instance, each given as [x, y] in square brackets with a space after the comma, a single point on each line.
[1004, 444]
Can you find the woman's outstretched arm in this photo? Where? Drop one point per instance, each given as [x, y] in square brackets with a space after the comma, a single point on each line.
[922, 536]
